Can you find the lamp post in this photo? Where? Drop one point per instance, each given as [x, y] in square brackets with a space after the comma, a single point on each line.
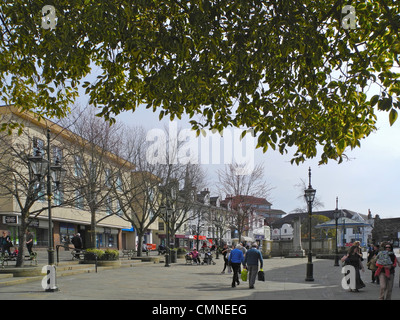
[336, 216]
[167, 211]
[41, 168]
[309, 195]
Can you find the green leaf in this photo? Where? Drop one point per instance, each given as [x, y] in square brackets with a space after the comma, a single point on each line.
[392, 116]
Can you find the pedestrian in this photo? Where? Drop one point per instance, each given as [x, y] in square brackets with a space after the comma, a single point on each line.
[371, 262]
[353, 258]
[195, 256]
[225, 253]
[386, 283]
[253, 256]
[236, 258]
[29, 241]
[78, 244]
[6, 243]
[244, 250]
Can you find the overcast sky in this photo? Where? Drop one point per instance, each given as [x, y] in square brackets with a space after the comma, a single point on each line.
[369, 181]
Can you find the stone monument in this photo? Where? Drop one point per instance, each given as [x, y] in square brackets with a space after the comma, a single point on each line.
[266, 243]
[297, 250]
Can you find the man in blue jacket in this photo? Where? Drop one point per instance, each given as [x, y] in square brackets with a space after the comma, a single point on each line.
[253, 255]
[236, 258]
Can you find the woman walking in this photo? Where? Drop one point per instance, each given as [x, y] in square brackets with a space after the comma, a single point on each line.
[225, 252]
[353, 258]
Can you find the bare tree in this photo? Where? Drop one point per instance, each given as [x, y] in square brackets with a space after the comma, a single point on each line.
[92, 151]
[238, 188]
[315, 219]
[155, 184]
[18, 184]
[316, 205]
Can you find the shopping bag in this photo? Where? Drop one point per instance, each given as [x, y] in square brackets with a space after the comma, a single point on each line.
[261, 276]
[244, 275]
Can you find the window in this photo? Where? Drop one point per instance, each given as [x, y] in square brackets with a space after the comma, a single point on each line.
[119, 182]
[40, 190]
[108, 177]
[108, 205]
[58, 195]
[78, 167]
[93, 170]
[57, 154]
[78, 199]
[38, 145]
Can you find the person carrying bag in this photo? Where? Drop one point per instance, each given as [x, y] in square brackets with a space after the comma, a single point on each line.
[252, 258]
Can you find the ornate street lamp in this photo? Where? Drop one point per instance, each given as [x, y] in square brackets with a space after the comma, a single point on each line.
[336, 215]
[309, 195]
[167, 212]
[41, 167]
[57, 173]
[38, 165]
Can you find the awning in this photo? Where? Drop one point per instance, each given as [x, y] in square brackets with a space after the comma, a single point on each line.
[130, 230]
[243, 238]
[200, 237]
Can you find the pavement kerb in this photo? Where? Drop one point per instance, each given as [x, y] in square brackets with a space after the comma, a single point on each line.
[63, 269]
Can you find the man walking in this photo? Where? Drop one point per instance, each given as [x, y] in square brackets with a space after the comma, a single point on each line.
[236, 258]
[78, 244]
[253, 255]
[29, 241]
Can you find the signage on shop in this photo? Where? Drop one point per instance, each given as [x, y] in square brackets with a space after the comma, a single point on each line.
[10, 219]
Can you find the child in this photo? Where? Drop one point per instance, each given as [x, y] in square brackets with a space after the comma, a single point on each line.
[383, 261]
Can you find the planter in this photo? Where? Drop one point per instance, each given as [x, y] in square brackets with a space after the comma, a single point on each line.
[105, 258]
[103, 263]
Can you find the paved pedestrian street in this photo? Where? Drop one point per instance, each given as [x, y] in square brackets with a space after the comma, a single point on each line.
[285, 280]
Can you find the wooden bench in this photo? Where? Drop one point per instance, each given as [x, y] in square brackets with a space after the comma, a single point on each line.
[129, 253]
[5, 258]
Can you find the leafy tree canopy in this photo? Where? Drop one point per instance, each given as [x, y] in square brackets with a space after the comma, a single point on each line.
[296, 72]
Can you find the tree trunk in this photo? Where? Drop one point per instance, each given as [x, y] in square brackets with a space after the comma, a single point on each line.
[92, 231]
[22, 241]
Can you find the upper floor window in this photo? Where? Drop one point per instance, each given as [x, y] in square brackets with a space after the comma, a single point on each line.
[38, 145]
[57, 154]
[108, 181]
[78, 167]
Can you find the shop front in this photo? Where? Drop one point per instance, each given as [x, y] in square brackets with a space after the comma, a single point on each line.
[106, 237]
[38, 227]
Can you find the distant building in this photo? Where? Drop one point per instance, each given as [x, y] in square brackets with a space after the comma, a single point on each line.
[282, 228]
[260, 214]
[386, 230]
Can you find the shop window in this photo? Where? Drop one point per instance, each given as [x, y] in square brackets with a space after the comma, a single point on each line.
[67, 231]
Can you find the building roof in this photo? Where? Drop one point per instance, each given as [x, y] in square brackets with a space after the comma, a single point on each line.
[247, 200]
[303, 215]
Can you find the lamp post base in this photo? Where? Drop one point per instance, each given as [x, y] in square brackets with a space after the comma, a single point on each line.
[336, 260]
[167, 260]
[309, 276]
[50, 256]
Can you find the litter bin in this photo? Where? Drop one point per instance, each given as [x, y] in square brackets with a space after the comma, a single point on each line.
[173, 256]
